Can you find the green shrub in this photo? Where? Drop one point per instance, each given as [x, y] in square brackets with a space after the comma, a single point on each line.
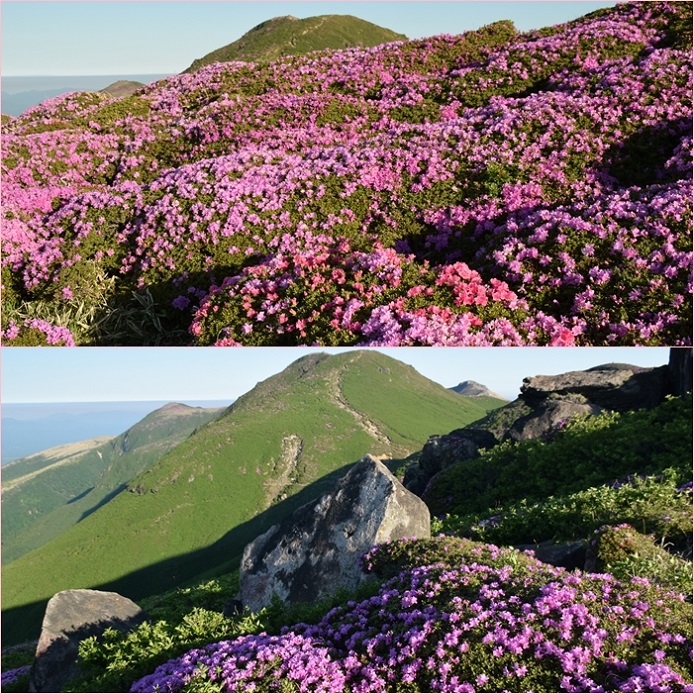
[113, 662]
[625, 553]
[174, 605]
[588, 452]
[653, 504]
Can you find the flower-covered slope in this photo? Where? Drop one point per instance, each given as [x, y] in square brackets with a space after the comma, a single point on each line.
[498, 621]
[487, 188]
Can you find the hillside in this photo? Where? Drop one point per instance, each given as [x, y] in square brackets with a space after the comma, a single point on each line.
[283, 36]
[489, 188]
[47, 493]
[122, 88]
[278, 446]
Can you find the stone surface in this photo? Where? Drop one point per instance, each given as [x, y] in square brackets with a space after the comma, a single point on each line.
[71, 616]
[569, 555]
[547, 417]
[680, 370]
[617, 387]
[316, 550]
[440, 452]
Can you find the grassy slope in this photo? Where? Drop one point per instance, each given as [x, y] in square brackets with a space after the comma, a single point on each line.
[588, 453]
[194, 510]
[41, 504]
[290, 36]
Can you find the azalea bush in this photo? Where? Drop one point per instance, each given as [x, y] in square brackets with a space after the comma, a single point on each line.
[492, 188]
[624, 552]
[16, 666]
[469, 626]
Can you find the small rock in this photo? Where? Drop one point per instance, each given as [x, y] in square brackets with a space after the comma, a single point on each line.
[73, 615]
[569, 555]
[232, 608]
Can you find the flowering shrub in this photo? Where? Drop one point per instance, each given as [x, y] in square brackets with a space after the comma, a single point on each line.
[16, 666]
[475, 626]
[487, 188]
[624, 552]
[35, 331]
[15, 676]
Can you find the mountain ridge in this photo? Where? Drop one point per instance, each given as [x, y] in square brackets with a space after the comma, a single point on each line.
[47, 499]
[475, 389]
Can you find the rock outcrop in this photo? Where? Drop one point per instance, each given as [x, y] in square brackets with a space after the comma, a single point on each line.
[73, 615]
[441, 451]
[618, 387]
[680, 370]
[316, 550]
[548, 416]
[546, 403]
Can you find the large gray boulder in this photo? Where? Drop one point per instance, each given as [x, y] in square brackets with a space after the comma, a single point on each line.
[316, 550]
[73, 615]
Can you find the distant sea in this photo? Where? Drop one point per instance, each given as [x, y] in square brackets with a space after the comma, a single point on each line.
[28, 428]
[21, 93]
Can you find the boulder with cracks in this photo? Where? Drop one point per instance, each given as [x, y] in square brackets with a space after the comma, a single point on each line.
[316, 550]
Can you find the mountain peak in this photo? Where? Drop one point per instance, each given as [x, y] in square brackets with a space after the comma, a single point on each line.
[472, 389]
[288, 35]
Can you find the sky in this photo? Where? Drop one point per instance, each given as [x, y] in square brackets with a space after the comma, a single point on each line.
[104, 374]
[132, 37]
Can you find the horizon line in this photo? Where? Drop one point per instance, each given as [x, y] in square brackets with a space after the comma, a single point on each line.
[98, 402]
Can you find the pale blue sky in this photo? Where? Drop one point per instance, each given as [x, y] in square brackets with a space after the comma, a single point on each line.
[85, 374]
[164, 37]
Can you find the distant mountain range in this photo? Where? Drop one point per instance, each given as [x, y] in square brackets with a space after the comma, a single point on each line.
[47, 493]
[29, 428]
[284, 36]
[127, 515]
[21, 93]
